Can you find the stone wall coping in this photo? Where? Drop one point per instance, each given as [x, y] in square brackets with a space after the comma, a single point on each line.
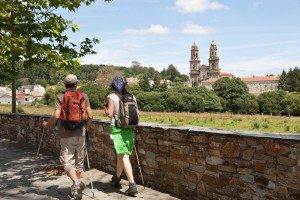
[205, 130]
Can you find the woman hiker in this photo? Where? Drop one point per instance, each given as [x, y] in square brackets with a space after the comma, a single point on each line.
[123, 138]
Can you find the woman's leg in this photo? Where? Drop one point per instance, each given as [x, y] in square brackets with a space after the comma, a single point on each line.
[128, 168]
[120, 165]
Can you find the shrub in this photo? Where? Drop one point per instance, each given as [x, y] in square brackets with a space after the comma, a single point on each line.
[246, 104]
[20, 110]
[291, 104]
[271, 102]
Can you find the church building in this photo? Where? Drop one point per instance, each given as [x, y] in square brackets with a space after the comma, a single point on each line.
[198, 72]
[207, 75]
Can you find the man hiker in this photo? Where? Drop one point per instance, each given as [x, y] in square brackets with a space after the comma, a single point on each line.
[74, 115]
[122, 110]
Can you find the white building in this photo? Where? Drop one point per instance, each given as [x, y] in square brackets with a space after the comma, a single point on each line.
[29, 93]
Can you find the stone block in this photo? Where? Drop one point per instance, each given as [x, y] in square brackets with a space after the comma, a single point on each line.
[201, 188]
[248, 154]
[248, 178]
[273, 148]
[232, 149]
[198, 139]
[161, 159]
[197, 168]
[259, 167]
[191, 176]
[150, 159]
[178, 135]
[286, 161]
[164, 142]
[227, 168]
[212, 160]
[244, 170]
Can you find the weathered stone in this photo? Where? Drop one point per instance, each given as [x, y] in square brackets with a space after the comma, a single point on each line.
[163, 149]
[161, 159]
[216, 142]
[191, 176]
[150, 158]
[286, 161]
[214, 152]
[164, 142]
[238, 162]
[247, 178]
[197, 168]
[150, 141]
[227, 168]
[248, 154]
[244, 170]
[259, 167]
[178, 135]
[214, 160]
[198, 139]
[261, 180]
[273, 148]
[213, 168]
[201, 188]
[232, 149]
[214, 181]
[233, 182]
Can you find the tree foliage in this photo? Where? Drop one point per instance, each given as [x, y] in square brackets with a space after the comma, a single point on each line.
[290, 81]
[271, 102]
[230, 89]
[33, 34]
[246, 104]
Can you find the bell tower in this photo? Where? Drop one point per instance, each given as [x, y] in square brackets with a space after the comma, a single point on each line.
[194, 65]
[214, 58]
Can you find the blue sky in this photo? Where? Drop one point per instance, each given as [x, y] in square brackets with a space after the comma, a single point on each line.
[254, 37]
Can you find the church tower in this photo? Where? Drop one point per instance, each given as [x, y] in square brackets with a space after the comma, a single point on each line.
[194, 62]
[214, 60]
[194, 65]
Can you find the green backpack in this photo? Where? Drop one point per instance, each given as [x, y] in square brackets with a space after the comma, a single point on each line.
[129, 117]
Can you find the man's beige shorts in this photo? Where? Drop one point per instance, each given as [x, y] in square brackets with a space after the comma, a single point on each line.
[72, 153]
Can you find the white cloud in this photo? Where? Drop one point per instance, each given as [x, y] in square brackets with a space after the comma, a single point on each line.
[152, 30]
[191, 28]
[192, 6]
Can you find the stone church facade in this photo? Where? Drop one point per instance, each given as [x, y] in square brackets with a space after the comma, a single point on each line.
[203, 75]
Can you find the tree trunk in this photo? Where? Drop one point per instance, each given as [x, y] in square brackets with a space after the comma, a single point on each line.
[13, 88]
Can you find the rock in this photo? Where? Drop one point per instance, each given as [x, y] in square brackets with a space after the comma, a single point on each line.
[273, 148]
[248, 154]
[150, 159]
[286, 161]
[214, 160]
[232, 149]
[259, 167]
[227, 168]
[198, 139]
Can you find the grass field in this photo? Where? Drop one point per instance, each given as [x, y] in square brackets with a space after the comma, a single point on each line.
[261, 123]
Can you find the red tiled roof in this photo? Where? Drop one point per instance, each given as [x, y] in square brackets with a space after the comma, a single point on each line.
[225, 74]
[260, 78]
[211, 80]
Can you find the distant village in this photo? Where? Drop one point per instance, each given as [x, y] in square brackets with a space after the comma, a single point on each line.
[26, 94]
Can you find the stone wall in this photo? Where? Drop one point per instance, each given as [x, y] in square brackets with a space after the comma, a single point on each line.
[190, 162]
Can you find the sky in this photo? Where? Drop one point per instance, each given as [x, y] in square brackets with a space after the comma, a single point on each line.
[254, 37]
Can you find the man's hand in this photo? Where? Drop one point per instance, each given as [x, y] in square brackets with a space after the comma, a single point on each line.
[45, 124]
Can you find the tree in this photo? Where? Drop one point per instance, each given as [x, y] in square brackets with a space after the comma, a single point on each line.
[144, 84]
[246, 104]
[291, 104]
[32, 33]
[96, 93]
[172, 73]
[230, 89]
[271, 102]
[283, 81]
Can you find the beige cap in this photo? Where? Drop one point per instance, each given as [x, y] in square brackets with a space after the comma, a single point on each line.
[71, 79]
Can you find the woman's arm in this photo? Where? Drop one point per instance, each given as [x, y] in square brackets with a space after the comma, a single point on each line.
[109, 110]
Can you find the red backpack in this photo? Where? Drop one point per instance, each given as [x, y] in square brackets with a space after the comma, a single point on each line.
[73, 110]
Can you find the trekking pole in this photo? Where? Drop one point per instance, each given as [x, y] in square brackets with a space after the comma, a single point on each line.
[37, 156]
[138, 161]
[88, 162]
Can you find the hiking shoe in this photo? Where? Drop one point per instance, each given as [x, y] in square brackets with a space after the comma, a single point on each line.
[76, 191]
[116, 180]
[132, 190]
